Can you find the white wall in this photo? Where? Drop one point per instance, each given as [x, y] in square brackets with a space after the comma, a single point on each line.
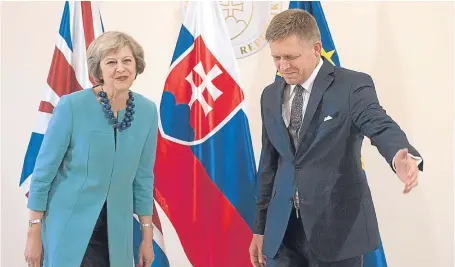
[406, 46]
[1, 152]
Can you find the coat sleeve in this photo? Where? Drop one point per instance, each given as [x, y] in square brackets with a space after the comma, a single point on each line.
[52, 151]
[266, 177]
[372, 121]
[144, 181]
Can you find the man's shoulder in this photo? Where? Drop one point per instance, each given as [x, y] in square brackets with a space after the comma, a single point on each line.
[351, 75]
[270, 90]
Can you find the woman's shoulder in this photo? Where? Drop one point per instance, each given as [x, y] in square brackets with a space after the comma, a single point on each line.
[73, 99]
[80, 96]
[144, 102]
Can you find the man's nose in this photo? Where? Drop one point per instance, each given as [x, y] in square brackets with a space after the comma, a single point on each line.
[284, 65]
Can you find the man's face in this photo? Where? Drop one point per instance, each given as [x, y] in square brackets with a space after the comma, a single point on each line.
[295, 59]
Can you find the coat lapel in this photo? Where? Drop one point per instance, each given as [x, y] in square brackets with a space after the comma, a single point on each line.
[321, 83]
[278, 117]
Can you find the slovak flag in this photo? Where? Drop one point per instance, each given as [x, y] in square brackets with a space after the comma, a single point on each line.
[205, 170]
[79, 26]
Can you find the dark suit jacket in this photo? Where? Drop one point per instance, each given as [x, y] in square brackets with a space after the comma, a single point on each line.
[336, 207]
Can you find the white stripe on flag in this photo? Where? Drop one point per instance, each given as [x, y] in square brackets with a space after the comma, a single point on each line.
[174, 249]
[79, 57]
[43, 122]
[207, 19]
[51, 97]
[64, 48]
[96, 15]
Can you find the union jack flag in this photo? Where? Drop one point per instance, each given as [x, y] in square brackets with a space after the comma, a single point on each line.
[80, 24]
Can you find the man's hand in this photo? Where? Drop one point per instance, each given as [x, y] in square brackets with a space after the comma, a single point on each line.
[256, 257]
[406, 169]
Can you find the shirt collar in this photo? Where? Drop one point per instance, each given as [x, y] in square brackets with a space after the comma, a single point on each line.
[308, 84]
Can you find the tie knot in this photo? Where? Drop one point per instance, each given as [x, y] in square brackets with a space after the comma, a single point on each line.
[299, 89]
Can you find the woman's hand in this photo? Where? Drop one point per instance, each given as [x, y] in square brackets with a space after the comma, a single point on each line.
[146, 254]
[34, 247]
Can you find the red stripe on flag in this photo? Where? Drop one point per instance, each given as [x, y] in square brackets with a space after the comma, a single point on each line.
[156, 219]
[209, 227]
[87, 21]
[62, 78]
[89, 30]
[45, 106]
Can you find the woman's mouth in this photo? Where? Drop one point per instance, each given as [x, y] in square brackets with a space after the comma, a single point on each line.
[121, 78]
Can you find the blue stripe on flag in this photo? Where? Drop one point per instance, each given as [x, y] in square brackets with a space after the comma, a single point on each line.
[228, 159]
[375, 258]
[65, 25]
[30, 157]
[184, 42]
[160, 259]
[102, 24]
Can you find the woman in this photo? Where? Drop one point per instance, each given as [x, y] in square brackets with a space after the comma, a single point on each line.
[95, 167]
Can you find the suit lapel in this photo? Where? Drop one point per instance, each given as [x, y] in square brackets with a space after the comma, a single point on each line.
[278, 116]
[321, 83]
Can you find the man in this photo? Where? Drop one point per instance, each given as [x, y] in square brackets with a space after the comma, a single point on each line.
[314, 207]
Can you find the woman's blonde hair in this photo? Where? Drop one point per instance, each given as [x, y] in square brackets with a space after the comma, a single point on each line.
[108, 42]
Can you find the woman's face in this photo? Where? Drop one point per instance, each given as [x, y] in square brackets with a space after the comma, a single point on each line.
[118, 69]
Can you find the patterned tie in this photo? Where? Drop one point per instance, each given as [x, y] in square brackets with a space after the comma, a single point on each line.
[294, 126]
[296, 114]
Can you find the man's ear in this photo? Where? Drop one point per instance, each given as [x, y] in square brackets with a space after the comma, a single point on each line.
[317, 47]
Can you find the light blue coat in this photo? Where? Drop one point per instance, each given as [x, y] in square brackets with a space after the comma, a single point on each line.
[78, 168]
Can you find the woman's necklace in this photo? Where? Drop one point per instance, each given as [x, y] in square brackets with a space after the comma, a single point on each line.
[109, 114]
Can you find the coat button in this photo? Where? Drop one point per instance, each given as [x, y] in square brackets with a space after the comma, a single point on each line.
[291, 199]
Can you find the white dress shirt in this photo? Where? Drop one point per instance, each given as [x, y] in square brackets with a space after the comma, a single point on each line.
[288, 95]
